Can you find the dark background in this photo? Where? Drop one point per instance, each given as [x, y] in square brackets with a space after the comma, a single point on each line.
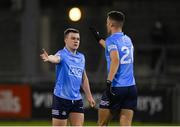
[27, 26]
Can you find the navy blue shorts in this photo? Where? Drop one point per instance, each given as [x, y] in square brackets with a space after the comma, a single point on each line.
[124, 98]
[62, 107]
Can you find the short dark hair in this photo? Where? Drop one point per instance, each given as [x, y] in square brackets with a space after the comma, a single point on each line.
[117, 16]
[70, 30]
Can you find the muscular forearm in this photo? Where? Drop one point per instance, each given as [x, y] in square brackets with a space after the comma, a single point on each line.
[86, 88]
[53, 59]
[113, 69]
[87, 91]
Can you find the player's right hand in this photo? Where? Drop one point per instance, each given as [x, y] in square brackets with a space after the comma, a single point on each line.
[91, 101]
[44, 55]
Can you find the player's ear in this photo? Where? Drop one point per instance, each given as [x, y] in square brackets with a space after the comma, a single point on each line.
[65, 39]
[111, 25]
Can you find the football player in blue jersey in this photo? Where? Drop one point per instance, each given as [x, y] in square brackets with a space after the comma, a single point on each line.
[121, 93]
[70, 76]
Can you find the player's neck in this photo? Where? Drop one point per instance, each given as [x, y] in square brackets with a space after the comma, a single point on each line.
[71, 50]
[116, 30]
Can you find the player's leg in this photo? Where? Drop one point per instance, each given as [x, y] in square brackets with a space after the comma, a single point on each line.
[128, 106]
[59, 122]
[104, 116]
[126, 116]
[60, 111]
[76, 116]
[104, 113]
[76, 119]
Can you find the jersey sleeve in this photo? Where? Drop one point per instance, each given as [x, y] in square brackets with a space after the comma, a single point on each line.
[59, 54]
[84, 61]
[110, 45]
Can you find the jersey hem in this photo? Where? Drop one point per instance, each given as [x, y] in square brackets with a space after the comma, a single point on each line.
[125, 86]
[67, 98]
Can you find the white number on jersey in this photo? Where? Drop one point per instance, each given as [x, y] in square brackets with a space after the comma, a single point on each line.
[125, 59]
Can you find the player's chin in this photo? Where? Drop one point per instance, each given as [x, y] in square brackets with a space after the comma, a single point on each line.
[75, 47]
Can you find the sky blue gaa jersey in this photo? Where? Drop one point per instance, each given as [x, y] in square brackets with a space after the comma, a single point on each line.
[69, 74]
[122, 43]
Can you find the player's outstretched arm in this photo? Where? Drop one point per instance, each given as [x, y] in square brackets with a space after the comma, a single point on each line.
[97, 36]
[49, 58]
[87, 91]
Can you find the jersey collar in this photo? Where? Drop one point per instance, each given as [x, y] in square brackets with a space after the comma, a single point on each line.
[120, 33]
[69, 52]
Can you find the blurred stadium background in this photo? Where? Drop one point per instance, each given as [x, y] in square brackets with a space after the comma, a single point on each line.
[26, 83]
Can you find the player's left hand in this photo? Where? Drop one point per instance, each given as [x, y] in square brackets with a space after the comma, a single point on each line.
[96, 34]
[109, 87]
[91, 101]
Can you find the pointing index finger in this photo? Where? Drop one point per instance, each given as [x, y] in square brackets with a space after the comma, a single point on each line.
[44, 51]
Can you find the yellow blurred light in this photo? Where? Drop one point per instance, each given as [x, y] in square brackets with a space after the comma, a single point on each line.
[75, 14]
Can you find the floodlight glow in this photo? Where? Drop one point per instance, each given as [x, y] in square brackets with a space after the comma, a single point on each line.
[75, 14]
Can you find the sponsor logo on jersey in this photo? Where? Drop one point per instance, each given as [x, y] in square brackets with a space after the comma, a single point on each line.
[75, 71]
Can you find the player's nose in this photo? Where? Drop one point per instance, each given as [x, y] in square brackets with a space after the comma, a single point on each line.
[76, 41]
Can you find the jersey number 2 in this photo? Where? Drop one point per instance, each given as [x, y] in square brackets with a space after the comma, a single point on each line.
[125, 58]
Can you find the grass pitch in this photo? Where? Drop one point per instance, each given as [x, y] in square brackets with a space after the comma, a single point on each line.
[86, 123]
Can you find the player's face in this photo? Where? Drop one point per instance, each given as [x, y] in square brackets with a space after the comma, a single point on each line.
[108, 26]
[72, 41]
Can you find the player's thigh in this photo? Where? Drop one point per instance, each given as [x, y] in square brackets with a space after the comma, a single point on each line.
[60, 111]
[76, 115]
[76, 119]
[104, 116]
[126, 116]
[59, 122]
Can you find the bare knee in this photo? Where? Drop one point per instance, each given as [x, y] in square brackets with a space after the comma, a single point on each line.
[59, 122]
[125, 121]
[76, 119]
[104, 115]
[126, 116]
